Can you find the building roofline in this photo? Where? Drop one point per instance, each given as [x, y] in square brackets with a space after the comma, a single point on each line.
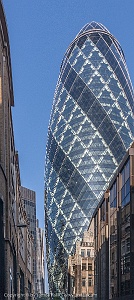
[6, 47]
[129, 152]
[87, 32]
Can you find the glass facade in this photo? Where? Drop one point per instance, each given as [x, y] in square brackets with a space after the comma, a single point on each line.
[120, 234]
[91, 127]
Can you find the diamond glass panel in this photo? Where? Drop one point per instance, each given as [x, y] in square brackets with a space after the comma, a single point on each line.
[90, 130]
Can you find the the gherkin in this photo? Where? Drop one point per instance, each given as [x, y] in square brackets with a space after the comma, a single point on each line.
[90, 129]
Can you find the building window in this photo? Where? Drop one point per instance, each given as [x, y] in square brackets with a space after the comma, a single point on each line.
[127, 264]
[82, 253]
[125, 191]
[122, 247]
[73, 282]
[73, 267]
[88, 253]
[83, 281]
[83, 267]
[128, 245]
[89, 281]
[112, 291]
[113, 195]
[112, 273]
[89, 267]
[102, 211]
[22, 285]
[29, 290]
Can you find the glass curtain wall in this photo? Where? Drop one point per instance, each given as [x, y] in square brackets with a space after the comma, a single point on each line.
[90, 129]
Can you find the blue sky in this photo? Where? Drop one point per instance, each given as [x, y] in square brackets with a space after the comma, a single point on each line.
[40, 32]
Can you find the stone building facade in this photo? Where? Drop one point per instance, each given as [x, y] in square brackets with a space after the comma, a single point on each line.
[40, 271]
[25, 242]
[29, 201]
[7, 161]
[81, 268]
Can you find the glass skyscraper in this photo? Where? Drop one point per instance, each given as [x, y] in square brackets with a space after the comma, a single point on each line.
[91, 127]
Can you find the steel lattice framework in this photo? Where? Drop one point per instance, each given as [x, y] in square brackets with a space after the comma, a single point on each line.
[90, 129]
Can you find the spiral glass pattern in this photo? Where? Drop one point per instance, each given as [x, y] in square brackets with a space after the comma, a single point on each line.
[91, 127]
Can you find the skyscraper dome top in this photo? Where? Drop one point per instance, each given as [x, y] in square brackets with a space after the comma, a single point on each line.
[91, 26]
[100, 38]
[96, 31]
